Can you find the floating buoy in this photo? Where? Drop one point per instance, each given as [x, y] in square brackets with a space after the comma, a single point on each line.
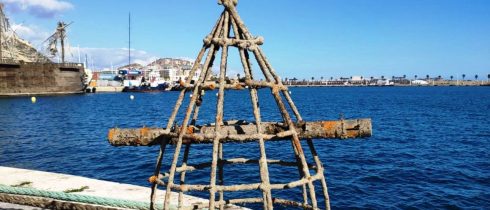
[131, 97]
[289, 92]
[33, 99]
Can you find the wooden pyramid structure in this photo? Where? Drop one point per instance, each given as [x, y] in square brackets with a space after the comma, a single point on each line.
[221, 132]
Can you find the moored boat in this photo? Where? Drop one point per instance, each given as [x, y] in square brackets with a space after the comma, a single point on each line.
[134, 81]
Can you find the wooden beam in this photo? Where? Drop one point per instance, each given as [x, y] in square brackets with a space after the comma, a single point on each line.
[239, 131]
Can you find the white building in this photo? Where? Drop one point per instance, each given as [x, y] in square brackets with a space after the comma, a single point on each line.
[195, 76]
[419, 82]
[171, 70]
[384, 82]
[356, 78]
[170, 75]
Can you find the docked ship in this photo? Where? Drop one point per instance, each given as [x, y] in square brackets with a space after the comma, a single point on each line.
[25, 71]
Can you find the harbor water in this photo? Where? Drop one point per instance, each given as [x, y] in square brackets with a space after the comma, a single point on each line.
[430, 147]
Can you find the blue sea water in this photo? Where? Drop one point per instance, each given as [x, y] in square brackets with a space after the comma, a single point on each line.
[430, 147]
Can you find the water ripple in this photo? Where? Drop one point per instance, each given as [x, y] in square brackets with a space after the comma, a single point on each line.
[430, 148]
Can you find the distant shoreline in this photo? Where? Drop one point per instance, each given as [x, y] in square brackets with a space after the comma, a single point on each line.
[400, 82]
[472, 85]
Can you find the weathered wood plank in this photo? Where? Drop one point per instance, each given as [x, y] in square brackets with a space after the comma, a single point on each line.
[243, 132]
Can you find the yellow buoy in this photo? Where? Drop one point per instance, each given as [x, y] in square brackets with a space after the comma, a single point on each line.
[33, 99]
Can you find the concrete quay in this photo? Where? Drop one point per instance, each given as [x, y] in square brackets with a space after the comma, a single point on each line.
[76, 185]
[108, 89]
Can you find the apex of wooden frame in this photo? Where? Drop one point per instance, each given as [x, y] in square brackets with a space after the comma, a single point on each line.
[227, 2]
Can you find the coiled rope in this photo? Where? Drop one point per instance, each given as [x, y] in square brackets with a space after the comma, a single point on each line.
[76, 197]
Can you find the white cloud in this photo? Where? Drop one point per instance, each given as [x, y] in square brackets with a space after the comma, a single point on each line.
[39, 8]
[99, 58]
[33, 34]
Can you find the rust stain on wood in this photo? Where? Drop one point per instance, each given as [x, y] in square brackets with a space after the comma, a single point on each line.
[144, 131]
[110, 135]
[329, 125]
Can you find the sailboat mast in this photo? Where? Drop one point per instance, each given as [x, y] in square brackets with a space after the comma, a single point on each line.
[79, 57]
[129, 49]
[1, 29]
[62, 38]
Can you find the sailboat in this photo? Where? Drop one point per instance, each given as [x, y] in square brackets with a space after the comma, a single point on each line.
[135, 80]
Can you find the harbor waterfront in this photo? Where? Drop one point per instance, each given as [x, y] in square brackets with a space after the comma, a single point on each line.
[429, 149]
[377, 105]
[119, 87]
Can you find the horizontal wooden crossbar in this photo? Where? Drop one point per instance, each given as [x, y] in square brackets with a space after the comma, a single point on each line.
[238, 131]
[238, 161]
[279, 201]
[238, 187]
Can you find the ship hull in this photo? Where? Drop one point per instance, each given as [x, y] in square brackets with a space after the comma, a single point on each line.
[26, 79]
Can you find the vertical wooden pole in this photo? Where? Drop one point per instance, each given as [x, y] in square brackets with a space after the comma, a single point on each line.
[154, 185]
[320, 170]
[211, 53]
[219, 113]
[264, 170]
[183, 173]
[216, 30]
[275, 92]
[221, 180]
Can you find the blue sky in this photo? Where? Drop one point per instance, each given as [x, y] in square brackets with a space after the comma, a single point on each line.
[302, 38]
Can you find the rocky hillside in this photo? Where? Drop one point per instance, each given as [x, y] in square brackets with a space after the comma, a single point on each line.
[131, 66]
[163, 63]
[14, 48]
[17, 49]
[168, 63]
